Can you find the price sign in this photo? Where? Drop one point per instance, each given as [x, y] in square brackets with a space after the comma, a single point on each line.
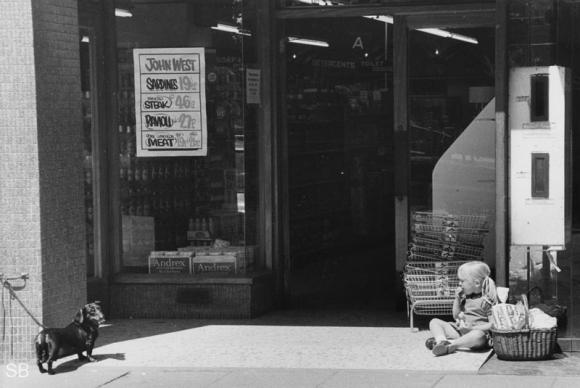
[170, 102]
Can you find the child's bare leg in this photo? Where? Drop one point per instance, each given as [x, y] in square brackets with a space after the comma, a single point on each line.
[442, 330]
[473, 339]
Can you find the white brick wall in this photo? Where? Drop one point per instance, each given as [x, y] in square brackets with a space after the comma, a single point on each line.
[41, 192]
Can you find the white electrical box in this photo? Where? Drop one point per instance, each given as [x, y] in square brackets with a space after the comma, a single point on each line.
[540, 152]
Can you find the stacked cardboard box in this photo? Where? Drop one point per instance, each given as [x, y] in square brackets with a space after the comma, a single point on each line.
[232, 259]
[170, 262]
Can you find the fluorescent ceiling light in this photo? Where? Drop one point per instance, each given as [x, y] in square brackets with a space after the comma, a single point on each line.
[319, 2]
[231, 29]
[433, 31]
[447, 34]
[308, 42]
[85, 39]
[381, 18]
[123, 13]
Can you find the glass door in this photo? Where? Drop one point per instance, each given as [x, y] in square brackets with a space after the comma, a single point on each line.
[451, 127]
[445, 130]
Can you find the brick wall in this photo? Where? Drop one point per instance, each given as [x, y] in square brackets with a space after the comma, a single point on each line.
[56, 46]
[202, 300]
[41, 197]
[19, 196]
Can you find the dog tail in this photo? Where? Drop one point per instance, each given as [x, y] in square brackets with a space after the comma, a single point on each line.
[41, 347]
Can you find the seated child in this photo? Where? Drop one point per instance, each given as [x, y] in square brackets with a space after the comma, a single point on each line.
[474, 299]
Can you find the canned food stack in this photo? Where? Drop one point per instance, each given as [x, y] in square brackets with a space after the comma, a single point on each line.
[440, 244]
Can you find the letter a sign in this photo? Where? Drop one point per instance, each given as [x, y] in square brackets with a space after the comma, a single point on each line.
[358, 43]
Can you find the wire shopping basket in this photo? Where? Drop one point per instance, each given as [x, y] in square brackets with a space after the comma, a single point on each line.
[458, 220]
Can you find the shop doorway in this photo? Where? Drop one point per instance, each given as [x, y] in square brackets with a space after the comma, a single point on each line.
[445, 151]
[375, 132]
[339, 122]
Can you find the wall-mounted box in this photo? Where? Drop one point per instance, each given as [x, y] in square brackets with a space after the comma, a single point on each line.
[540, 156]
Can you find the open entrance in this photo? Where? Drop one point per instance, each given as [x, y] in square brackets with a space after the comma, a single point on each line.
[339, 90]
[368, 146]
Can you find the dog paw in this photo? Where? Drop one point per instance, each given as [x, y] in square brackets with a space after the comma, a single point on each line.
[92, 359]
[51, 372]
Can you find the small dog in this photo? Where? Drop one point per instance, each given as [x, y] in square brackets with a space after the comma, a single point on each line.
[80, 335]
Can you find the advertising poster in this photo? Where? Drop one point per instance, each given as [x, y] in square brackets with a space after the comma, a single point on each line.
[253, 86]
[170, 112]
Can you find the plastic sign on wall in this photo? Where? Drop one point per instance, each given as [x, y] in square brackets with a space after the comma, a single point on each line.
[540, 151]
[170, 109]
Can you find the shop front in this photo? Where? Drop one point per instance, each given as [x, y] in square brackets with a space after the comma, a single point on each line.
[329, 133]
[409, 123]
[239, 156]
[313, 150]
[176, 154]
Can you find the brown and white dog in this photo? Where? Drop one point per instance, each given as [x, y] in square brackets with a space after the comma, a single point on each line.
[80, 335]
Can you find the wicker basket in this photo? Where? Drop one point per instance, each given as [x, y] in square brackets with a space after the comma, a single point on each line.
[524, 345]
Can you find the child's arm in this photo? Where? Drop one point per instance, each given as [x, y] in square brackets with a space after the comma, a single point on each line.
[456, 303]
[482, 326]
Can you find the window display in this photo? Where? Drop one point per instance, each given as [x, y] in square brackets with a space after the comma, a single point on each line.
[183, 214]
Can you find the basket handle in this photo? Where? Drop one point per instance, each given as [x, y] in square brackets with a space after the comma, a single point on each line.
[527, 309]
[525, 302]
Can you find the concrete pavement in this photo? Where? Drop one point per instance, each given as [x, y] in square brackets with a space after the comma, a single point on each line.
[88, 376]
[284, 349]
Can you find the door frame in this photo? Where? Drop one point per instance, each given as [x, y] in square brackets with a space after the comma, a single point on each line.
[406, 14]
[402, 25]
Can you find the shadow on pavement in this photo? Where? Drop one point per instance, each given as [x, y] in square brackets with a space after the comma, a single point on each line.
[128, 329]
[73, 365]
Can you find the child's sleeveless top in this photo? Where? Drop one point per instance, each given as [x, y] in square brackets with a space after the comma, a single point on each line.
[476, 308]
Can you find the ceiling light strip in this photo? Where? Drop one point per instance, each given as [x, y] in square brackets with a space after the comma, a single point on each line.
[308, 42]
[123, 13]
[433, 31]
[231, 29]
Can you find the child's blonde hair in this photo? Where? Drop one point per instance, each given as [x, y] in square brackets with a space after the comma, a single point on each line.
[478, 270]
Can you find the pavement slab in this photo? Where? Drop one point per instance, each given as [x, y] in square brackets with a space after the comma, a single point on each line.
[285, 351]
[303, 347]
[486, 381]
[562, 364]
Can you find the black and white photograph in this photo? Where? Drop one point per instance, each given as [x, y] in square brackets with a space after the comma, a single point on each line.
[289, 193]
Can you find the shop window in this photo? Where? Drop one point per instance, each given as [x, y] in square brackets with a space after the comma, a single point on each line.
[187, 214]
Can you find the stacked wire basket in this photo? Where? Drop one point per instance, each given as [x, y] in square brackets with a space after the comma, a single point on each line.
[440, 244]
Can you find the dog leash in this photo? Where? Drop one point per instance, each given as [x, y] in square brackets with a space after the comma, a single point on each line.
[3, 317]
[13, 295]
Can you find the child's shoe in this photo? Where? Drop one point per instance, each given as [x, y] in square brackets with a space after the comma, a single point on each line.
[430, 343]
[441, 348]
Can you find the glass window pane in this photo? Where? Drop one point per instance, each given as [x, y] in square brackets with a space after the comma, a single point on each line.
[182, 206]
[452, 129]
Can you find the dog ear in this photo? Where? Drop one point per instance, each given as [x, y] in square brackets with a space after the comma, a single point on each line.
[80, 316]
